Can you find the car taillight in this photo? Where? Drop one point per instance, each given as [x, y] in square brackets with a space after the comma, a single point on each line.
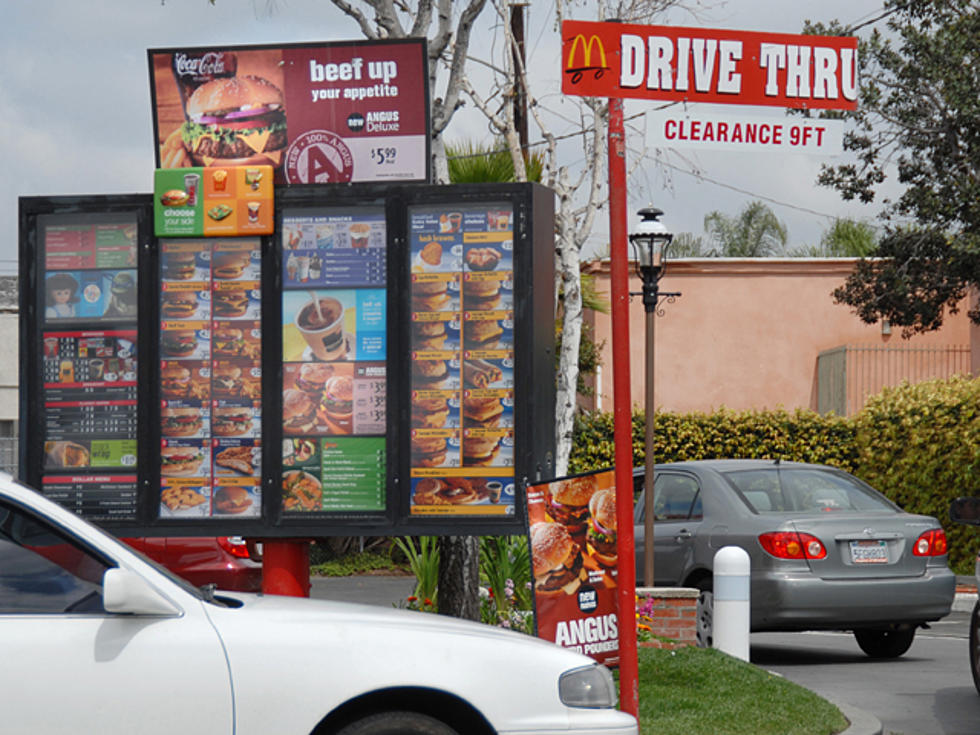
[234, 545]
[931, 543]
[792, 545]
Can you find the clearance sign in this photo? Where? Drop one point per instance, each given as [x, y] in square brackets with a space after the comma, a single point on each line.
[709, 65]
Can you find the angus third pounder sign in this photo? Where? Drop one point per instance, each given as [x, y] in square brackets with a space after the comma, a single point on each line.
[709, 65]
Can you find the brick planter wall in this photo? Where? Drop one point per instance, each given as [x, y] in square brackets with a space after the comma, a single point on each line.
[673, 615]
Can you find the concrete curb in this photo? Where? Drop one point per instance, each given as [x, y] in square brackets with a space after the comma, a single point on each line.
[964, 601]
[862, 723]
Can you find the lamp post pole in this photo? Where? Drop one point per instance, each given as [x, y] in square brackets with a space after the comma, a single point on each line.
[650, 242]
[650, 407]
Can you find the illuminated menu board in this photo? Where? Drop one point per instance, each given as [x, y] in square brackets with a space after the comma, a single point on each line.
[462, 360]
[89, 364]
[210, 379]
[334, 386]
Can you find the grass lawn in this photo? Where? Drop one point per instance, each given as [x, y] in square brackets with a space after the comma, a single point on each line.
[696, 691]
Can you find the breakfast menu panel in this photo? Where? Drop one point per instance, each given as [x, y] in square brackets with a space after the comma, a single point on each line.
[334, 356]
[462, 359]
[210, 378]
[89, 364]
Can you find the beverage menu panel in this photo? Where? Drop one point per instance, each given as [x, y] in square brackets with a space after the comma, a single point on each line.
[334, 385]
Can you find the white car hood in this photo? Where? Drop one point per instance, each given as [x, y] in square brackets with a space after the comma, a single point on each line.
[316, 653]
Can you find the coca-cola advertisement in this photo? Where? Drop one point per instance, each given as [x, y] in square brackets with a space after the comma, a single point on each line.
[572, 528]
[318, 114]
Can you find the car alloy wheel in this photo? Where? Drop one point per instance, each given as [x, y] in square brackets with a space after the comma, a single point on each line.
[885, 643]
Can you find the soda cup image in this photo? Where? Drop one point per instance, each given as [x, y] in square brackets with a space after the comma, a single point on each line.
[191, 182]
[253, 212]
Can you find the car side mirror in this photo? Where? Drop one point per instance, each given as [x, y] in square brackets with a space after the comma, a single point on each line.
[965, 510]
[126, 592]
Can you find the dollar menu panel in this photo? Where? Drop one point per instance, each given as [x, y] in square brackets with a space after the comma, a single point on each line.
[382, 363]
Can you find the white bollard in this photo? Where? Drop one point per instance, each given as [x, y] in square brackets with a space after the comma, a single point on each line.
[730, 616]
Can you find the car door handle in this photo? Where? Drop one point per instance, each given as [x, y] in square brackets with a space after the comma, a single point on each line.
[683, 535]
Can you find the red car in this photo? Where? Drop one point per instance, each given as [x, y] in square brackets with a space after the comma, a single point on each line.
[230, 562]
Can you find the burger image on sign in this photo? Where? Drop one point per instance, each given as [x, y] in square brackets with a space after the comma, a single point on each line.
[235, 121]
[557, 560]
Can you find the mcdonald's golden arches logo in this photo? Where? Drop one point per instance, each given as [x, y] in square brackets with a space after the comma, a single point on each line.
[589, 46]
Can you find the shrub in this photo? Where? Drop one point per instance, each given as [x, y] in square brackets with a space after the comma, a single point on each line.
[802, 436]
[917, 444]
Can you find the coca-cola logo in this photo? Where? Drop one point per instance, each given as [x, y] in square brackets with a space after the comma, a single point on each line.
[209, 63]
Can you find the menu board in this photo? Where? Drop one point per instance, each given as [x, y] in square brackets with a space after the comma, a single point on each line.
[462, 359]
[210, 379]
[334, 330]
[88, 364]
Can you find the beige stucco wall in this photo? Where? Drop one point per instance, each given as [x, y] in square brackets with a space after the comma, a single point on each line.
[745, 334]
[9, 367]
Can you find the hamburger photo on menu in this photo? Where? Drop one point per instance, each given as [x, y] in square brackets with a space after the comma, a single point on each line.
[556, 559]
[601, 534]
[231, 499]
[231, 121]
[568, 504]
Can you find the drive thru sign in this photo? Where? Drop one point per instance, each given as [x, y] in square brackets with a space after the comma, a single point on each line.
[709, 65]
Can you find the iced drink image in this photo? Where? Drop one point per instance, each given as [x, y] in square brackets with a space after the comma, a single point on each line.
[359, 234]
[253, 212]
[321, 324]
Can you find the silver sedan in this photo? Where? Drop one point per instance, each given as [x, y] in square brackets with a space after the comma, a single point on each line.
[827, 551]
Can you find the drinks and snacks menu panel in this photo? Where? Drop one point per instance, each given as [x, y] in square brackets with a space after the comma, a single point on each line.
[334, 356]
[462, 359]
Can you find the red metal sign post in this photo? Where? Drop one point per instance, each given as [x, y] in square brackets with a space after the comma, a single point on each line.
[286, 567]
[622, 411]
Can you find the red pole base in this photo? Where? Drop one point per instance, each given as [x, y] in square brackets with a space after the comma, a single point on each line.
[286, 567]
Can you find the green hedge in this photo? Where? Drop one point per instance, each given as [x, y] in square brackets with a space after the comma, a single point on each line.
[802, 436]
[918, 444]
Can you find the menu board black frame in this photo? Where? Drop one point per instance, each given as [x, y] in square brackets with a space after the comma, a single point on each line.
[517, 224]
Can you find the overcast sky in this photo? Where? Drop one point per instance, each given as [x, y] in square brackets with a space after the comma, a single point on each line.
[76, 103]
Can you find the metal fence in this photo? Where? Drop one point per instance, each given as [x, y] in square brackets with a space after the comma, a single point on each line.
[847, 376]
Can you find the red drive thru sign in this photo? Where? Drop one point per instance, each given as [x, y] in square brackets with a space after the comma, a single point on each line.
[709, 65]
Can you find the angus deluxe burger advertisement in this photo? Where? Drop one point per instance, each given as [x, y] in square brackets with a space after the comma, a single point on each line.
[323, 113]
[572, 533]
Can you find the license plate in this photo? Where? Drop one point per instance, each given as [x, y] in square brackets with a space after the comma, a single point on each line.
[869, 552]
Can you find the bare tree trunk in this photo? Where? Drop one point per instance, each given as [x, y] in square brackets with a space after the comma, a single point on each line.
[569, 275]
[459, 577]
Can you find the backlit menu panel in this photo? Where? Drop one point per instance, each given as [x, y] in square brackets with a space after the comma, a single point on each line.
[462, 360]
[89, 363]
[211, 379]
[334, 336]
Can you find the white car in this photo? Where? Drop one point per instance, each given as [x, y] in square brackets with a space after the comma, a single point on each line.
[97, 639]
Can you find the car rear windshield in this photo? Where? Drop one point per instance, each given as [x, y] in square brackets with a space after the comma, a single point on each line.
[776, 490]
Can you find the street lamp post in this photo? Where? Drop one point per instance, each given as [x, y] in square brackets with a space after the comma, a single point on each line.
[650, 243]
